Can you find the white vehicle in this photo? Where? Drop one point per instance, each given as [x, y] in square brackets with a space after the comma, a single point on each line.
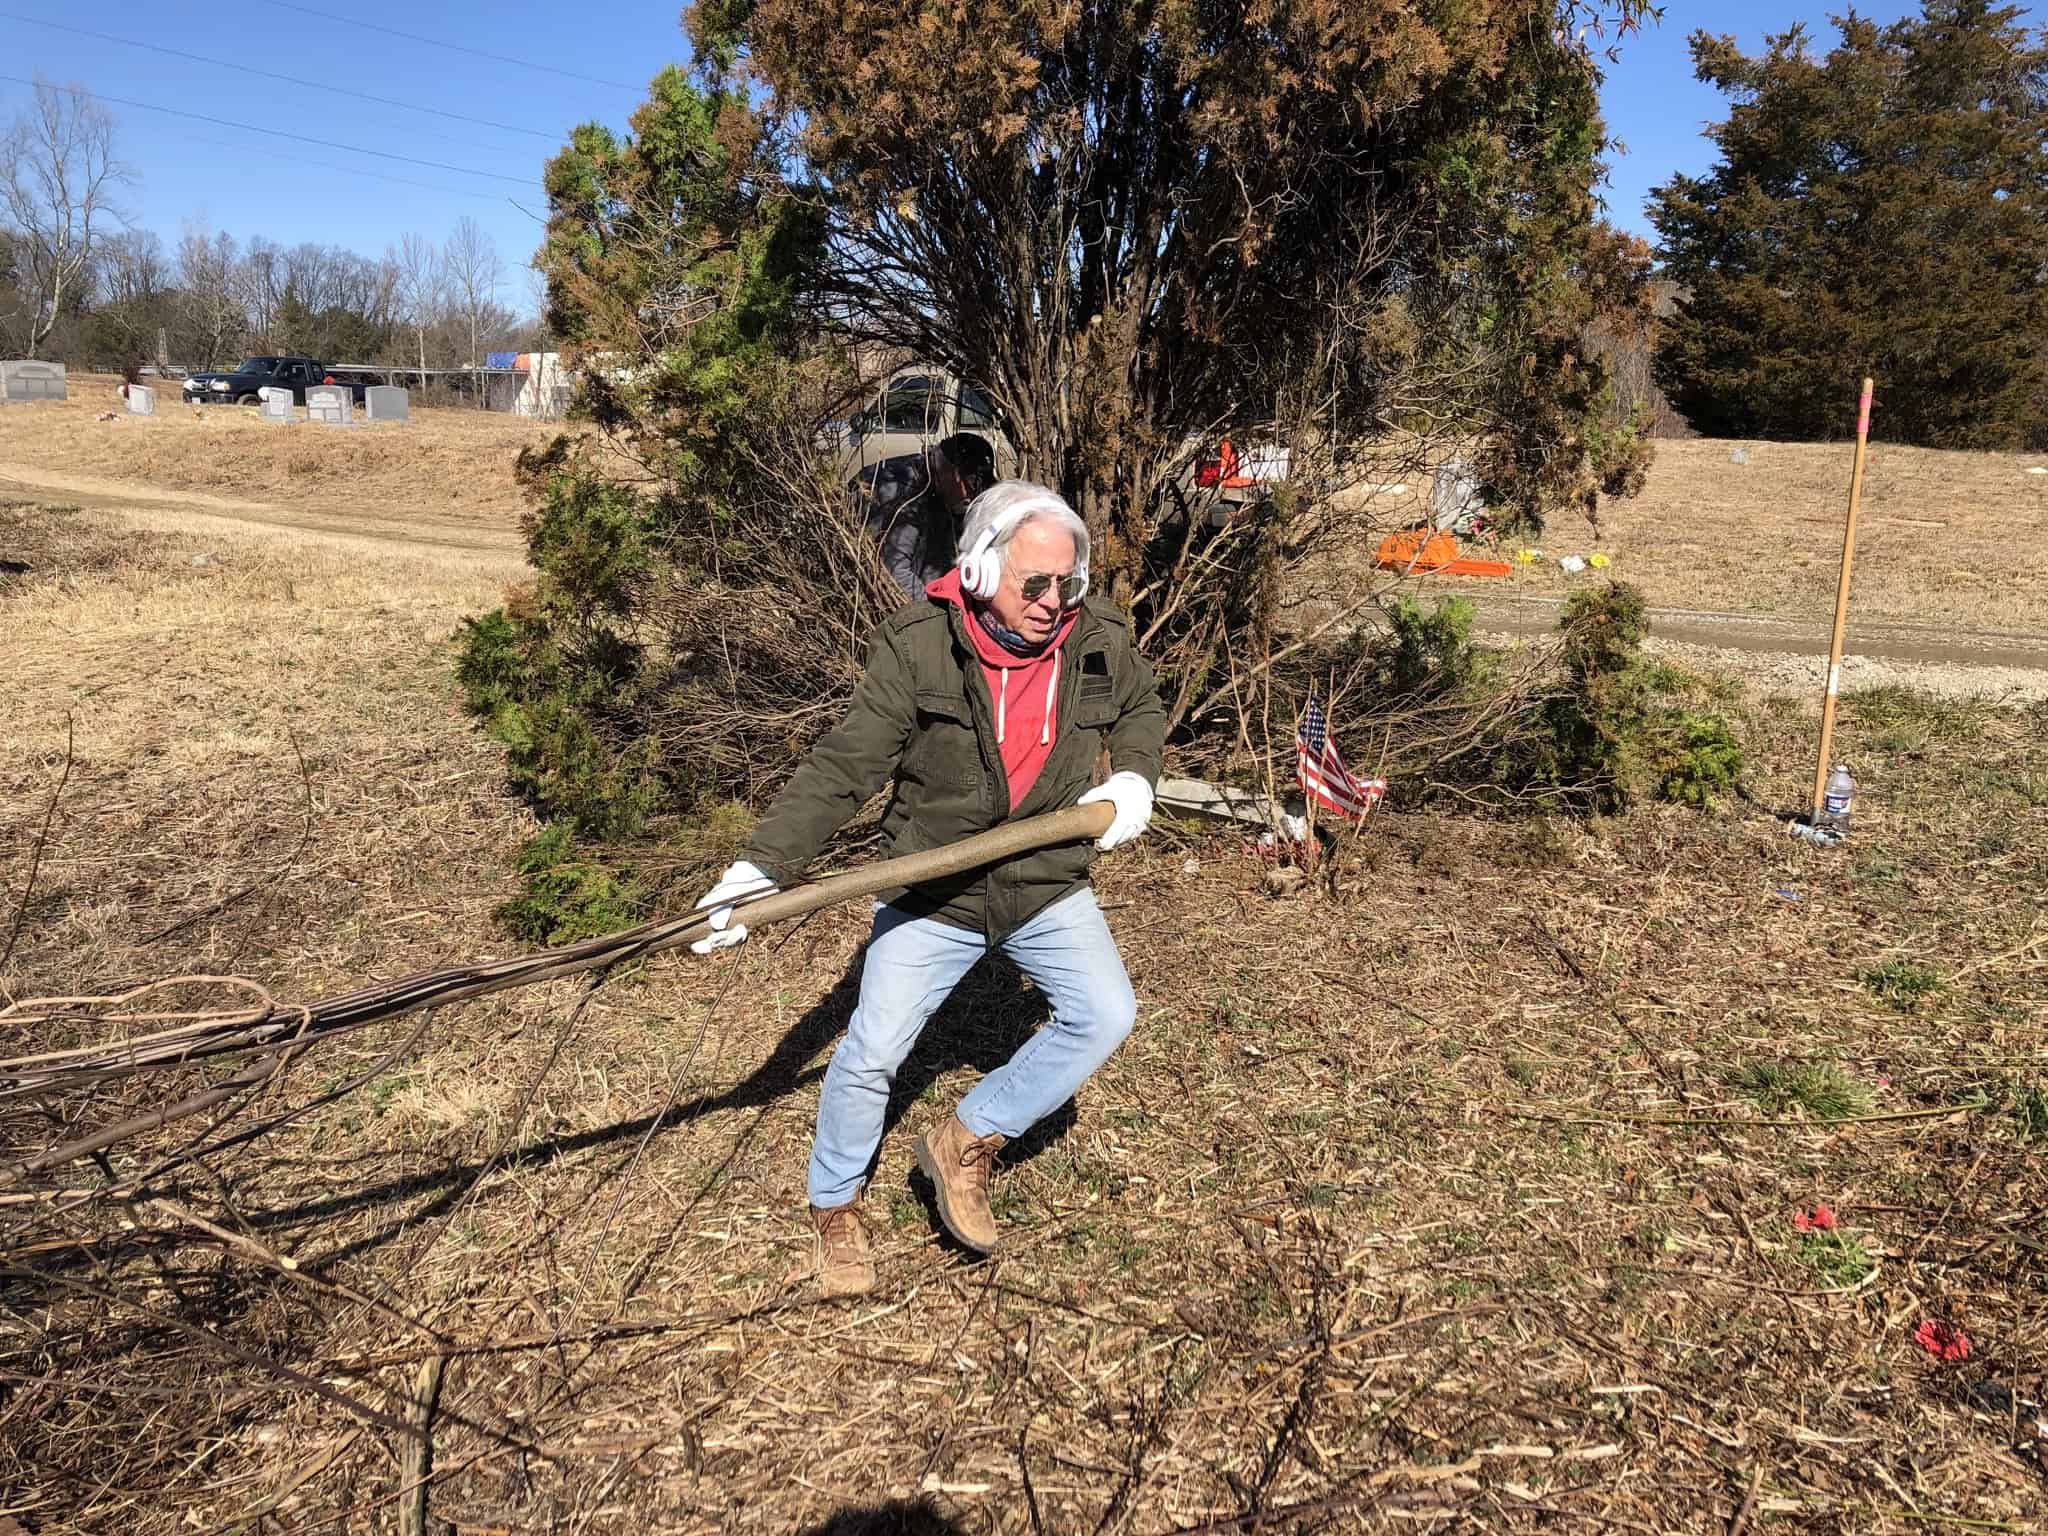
[909, 415]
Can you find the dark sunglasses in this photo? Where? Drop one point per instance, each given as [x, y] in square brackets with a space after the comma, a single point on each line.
[1071, 587]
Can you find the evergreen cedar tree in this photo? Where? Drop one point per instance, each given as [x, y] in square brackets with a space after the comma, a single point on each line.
[1878, 210]
[1137, 225]
[677, 247]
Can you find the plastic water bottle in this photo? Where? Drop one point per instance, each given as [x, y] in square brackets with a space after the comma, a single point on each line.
[1837, 799]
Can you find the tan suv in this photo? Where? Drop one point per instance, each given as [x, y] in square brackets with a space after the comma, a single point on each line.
[909, 415]
[881, 450]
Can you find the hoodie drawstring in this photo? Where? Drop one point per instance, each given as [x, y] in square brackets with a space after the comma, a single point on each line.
[1052, 681]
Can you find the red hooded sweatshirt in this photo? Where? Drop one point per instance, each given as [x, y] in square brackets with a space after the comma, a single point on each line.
[1023, 689]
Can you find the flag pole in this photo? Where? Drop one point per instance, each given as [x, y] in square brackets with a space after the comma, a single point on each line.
[1834, 679]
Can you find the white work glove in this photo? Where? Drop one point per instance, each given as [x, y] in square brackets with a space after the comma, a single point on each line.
[1132, 796]
[740, 880]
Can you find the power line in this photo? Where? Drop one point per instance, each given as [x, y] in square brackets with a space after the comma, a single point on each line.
[469, 194]
[280, 133]
[268, 74]
[431, 42]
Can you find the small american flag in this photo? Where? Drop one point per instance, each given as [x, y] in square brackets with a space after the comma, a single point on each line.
[1320, 768]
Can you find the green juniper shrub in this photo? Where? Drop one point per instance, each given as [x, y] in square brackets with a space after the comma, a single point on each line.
[553, 676]
[571, 893]
[1625, 728]
[1605, 728]
[1428, 655]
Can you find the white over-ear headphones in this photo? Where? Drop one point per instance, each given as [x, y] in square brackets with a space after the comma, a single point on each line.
[981, 568]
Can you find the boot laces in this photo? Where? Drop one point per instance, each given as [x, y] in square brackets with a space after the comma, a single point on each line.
[978, 1157]
[839, 1228]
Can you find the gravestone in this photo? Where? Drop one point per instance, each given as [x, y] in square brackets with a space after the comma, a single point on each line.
[329, 403]
[1454, 496]
[276, 403]
[141, 400]
[385, 402]
[27, 379]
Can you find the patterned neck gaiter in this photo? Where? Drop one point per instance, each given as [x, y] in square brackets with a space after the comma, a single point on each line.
[1004, 636]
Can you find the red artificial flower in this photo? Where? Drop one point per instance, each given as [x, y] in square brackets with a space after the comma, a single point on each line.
[1822, 1220]
[1942, 1340]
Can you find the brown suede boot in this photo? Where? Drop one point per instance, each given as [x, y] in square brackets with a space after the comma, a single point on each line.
[844, 1266]
[958, 1163]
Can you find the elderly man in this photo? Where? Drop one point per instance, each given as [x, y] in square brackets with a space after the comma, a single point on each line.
[918, 531]
[992, 696]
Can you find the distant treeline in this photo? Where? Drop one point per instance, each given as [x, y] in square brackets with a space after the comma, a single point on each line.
[210, 300]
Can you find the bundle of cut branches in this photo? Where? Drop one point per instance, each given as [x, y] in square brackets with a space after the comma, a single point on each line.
[142, 1030]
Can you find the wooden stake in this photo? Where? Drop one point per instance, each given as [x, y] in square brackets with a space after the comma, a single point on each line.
[1834, 685]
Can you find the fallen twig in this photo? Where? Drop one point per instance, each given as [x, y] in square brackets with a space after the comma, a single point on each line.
[1726, 1123]
[35, 862]
[418, 1464]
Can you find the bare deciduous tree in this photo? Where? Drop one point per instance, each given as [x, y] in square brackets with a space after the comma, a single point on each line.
[57, 177]
[474, 276]
[261, 280]
[131, 289]
[211, 293]
[422, 291]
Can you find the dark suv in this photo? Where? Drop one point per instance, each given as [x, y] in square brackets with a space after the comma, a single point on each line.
[240, 387]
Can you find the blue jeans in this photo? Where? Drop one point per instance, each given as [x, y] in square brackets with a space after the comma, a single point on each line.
[912, 964]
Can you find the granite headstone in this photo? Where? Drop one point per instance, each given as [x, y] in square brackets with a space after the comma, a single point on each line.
[385, 402]
[329, 403]
[29, 379]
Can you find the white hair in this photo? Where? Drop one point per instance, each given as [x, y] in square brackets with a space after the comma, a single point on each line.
[1008, 505]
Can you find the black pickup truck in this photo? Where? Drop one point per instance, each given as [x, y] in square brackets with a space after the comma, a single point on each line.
[292, 373]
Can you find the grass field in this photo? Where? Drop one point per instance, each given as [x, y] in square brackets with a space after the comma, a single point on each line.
[1945, 539]
[1948, 539]
[1466, 1192]
[444, 468]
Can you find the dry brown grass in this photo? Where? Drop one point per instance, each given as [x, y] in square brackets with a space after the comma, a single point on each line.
[1947, 539]
[445, 470]
[1381, 1212]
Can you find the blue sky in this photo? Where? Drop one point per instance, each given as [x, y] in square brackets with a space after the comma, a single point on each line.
[227, 172]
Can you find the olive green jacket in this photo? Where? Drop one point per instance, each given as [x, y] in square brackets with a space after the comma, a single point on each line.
[922, 713]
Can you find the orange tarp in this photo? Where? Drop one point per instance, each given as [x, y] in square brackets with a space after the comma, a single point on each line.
[1433, 553]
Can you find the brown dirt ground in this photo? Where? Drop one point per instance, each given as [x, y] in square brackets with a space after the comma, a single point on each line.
[1463, 1190]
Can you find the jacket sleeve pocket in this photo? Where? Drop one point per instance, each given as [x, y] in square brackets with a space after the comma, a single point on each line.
[1095, 705]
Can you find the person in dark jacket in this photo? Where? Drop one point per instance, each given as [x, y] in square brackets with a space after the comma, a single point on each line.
[991, 697]
[919, 524]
